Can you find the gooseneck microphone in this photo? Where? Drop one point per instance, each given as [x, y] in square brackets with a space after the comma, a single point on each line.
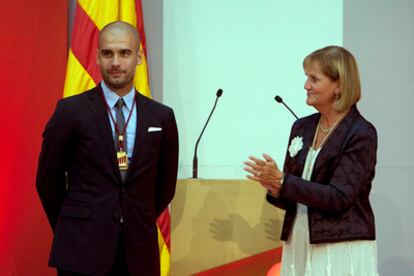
[280, 100]
[195, 160]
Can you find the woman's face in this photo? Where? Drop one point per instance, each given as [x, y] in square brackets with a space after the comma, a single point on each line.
[321, 90]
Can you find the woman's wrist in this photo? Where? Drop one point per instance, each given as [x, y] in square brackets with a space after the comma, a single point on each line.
[276, 194]
[278, 185]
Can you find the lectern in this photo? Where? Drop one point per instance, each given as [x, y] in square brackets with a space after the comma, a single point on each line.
[216, 222]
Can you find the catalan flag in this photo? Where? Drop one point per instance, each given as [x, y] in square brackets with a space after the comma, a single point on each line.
[82, 72]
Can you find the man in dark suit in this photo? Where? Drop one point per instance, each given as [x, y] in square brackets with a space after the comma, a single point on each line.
[108, 168]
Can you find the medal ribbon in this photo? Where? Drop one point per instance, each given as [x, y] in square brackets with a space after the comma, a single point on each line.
[117, 132]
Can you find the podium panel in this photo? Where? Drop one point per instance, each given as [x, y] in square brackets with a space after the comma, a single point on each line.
[216, 222]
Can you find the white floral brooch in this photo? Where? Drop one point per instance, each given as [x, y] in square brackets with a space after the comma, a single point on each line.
[295, 146]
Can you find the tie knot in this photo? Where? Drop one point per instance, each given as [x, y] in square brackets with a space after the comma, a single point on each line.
[119, 104]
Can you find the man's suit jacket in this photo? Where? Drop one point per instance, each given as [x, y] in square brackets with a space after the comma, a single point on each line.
[81, 190]
[337, 194]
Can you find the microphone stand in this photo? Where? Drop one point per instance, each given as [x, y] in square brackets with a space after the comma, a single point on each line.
[280, 100]
[195, 160]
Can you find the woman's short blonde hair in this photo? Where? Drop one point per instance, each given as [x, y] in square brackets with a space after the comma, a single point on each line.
[338, 64]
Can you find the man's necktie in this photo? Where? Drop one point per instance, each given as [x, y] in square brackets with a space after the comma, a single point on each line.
[120, 121]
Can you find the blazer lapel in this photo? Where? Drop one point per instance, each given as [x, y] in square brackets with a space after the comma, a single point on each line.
[306, 131]
[335, 142]
[309, 133]
[97, 107]
[141, 129]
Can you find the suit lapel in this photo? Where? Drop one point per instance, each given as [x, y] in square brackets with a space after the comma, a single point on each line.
[335, 142]
[141, 129]
[97, 107]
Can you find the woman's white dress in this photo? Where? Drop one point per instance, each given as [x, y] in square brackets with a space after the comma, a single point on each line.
[300, 258]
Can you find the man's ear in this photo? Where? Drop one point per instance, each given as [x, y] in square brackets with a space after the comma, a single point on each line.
[140, 56]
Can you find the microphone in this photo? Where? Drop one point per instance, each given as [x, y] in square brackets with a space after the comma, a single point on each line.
[280, 100]
[195, 160]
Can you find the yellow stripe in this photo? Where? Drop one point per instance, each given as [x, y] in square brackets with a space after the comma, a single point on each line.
[101, 12]
[164, 255]
[141, 79]
[77, 78]
[127, 12]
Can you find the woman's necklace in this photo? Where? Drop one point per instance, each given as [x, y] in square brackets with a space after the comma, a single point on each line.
[326, 131]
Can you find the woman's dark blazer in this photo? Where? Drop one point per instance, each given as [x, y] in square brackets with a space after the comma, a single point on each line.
[337, 196]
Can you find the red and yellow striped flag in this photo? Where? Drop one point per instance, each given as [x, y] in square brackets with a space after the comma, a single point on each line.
[83, 73]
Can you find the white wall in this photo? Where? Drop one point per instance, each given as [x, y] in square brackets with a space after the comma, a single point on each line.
[381, 35]
[252, 50]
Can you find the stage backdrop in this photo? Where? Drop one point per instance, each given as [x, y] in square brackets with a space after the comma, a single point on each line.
[253, 50]
[33, 47]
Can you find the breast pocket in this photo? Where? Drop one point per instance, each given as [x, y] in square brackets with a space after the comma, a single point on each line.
[154, 137]
[153, 142]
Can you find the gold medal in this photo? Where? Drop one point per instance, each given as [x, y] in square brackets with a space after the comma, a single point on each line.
[122, 160]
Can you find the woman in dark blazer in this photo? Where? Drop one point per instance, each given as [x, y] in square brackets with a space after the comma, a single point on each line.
[324, 187]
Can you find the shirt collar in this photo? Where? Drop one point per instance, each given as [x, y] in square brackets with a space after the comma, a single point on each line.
[111, 97]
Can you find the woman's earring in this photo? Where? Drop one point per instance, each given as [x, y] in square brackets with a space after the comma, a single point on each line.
[337, 94]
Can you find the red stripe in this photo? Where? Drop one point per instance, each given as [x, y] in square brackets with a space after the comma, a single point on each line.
[163, 222]
[140, 25]
[85, 42]
[258, 264]
[141, 31]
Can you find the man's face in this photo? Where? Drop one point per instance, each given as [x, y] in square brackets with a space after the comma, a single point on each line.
[117, 57]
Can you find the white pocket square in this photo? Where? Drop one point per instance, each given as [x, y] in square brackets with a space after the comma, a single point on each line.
[153, 129]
